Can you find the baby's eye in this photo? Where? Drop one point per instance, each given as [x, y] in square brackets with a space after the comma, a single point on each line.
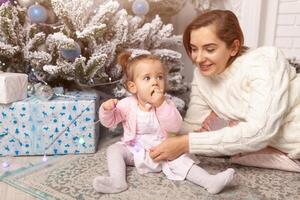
[159, 77]
[147, 78]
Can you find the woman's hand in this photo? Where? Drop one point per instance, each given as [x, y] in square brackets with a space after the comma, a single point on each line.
[170, 149]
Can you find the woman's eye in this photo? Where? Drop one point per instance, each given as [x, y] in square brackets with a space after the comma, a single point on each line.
[210, 50]
[147, 78]
[193, 49]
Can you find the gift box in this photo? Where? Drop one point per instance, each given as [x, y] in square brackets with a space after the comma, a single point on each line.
[64, 125]
[13, 87]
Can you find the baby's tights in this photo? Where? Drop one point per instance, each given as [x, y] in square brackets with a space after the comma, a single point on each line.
[118, 156]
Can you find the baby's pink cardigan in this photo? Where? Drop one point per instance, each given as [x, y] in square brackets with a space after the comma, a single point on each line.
[125, 111]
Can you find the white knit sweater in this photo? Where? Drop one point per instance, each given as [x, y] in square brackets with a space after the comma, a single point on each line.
[262, 91]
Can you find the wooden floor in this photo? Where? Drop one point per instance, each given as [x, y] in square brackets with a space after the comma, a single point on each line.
[10, 193]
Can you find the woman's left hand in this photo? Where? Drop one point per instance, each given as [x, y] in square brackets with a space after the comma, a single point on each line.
[170, 149]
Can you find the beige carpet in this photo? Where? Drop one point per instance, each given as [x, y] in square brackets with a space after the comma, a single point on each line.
[70, 177]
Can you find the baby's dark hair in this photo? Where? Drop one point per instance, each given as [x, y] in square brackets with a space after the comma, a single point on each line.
[127, 63]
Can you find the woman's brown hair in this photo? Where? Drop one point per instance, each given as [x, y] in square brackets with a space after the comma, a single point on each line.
[227, 29]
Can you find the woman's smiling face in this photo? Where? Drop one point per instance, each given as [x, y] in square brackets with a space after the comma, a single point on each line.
[208, 52]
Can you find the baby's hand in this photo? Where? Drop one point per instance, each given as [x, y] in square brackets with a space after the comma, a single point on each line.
[110, 104]
[157, 97]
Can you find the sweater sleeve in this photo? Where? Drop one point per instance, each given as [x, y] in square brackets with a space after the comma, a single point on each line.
[111, 118]
[168, 116]
[268, 102]
[198, 109]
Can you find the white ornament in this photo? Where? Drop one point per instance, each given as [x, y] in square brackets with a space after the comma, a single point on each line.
[26, 3]
[202, 5]
[140, 7]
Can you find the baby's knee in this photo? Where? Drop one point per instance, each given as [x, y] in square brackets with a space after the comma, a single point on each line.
[115, 148]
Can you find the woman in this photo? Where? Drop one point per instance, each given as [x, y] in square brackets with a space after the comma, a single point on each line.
[257, 88]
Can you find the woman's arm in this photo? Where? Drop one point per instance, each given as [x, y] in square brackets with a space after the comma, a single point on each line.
[171, 148]
[175, 146]
[198, 110]
[267, 106]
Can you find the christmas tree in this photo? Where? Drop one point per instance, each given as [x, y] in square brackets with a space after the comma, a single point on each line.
[75, 42]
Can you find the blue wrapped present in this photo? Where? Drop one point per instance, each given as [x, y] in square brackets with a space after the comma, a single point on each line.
[64, 125]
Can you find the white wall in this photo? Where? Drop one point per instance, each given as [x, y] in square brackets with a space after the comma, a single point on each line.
[287, 35]
[180, 21]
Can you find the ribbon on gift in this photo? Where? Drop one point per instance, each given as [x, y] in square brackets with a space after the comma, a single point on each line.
[35, 120]
[64, 130]
[36, 115]
[38, 142]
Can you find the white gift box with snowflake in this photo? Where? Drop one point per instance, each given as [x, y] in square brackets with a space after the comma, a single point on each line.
[63, 125]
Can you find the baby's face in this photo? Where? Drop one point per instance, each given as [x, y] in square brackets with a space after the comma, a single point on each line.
[149, 75]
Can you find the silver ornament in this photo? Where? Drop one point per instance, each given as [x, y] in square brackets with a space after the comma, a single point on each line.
[140, 7]
[37, 14]
[44, 92]
[30, 89]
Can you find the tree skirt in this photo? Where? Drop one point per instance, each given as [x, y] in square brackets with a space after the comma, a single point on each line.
[70, 177]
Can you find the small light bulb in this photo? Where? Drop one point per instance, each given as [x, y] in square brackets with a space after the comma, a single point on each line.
[45, 159]
[5, 164]
[81, 141]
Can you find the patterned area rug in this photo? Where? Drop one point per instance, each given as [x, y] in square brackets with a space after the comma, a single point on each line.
[70, 177]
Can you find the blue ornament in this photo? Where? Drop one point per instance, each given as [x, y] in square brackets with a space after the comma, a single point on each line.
[140, 7]
[71, 53]
[37, 14]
